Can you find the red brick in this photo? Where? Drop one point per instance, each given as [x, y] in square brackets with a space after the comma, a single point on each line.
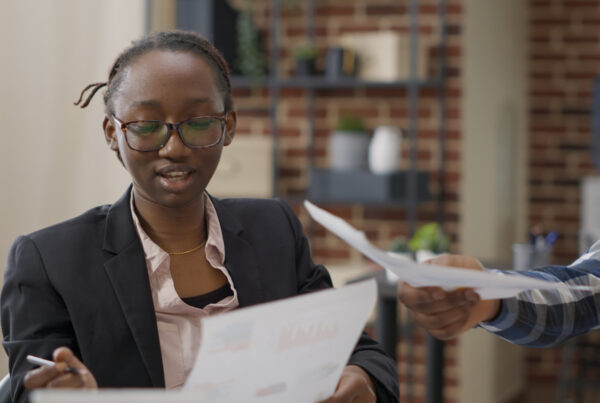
[292, 92]
[581, 38]
[290, 172]
[538, 128]
[303, 152]
[557, 21]
[289, 132]
[433, 9]
[383, 213]
[330, 253]
[403, 113]
[405, 29]
[581, 4]
[334, 11]
[547, 57]
[303, 113]
[451, 51]
[567, 219]
[351, 28]
[385, 9]
[364, 111]
[337, 92]
[301, 32]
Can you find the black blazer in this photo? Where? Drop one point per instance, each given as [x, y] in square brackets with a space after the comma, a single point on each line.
[84, 284]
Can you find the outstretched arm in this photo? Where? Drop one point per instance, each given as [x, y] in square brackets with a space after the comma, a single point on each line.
[535, 318]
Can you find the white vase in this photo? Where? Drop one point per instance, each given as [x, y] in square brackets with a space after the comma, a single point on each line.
[384, 150]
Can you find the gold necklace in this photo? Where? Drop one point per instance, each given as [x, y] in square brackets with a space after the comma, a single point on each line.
[194, 249]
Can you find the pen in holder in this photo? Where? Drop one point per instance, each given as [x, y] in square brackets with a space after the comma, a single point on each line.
[527, 257]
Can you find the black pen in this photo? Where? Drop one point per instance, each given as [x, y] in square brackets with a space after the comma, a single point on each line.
[42, 362]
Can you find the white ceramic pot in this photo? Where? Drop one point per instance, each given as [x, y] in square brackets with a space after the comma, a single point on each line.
[348, 150]
[384, 150]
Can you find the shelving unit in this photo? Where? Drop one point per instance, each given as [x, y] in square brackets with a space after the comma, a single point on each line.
[414, 194]
[414, 180]
[275, 82]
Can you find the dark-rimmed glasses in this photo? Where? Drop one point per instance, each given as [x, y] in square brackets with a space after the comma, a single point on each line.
[152, 135]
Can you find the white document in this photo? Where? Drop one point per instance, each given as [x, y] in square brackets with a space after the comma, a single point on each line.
[292, 350]
[113, 396]
[488, 285]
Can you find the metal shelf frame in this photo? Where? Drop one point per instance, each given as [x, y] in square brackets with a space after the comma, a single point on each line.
[435, 348]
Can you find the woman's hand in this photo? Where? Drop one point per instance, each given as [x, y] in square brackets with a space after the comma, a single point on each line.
[354, 386]
[446, 314]
[56, 376]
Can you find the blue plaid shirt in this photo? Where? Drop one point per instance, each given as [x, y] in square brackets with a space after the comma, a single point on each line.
[544, 318]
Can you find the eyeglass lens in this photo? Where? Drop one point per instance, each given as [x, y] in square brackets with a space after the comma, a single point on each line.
[151, 135]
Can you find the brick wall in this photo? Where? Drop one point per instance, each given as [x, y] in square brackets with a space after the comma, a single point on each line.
[565, 59]
[378, 107]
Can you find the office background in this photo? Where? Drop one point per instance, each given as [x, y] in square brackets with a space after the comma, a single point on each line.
[518, 89]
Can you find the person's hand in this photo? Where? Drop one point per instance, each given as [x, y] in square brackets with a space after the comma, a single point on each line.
[446, 314]
[354, 386]
[56, 376]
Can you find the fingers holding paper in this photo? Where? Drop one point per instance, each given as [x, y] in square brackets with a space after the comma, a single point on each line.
[355, 386]
[58, 375]
[446, 314]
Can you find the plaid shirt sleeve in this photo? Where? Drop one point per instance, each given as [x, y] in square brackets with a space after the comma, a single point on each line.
[544, 318]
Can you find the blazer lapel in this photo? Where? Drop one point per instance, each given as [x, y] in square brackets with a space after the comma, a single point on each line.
[129, 277]
[240, 258]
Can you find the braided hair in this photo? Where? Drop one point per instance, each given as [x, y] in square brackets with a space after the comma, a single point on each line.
[184, 41]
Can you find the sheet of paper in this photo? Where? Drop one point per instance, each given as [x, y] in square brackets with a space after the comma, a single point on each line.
[292, 350]
[488, 285]
[113, 396]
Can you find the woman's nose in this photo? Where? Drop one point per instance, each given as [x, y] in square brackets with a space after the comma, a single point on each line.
[174, 147]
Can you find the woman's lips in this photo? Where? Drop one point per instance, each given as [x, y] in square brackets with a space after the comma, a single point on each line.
[175, 179]
[176, 175]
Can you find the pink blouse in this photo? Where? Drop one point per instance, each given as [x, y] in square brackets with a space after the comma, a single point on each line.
[179, 324]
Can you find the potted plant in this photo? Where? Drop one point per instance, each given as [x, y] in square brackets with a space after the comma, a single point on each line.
[349, 143]
[305, 56]
[250, 56]
[429, 241]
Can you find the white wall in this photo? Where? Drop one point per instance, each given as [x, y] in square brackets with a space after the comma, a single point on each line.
[494, 176]
[494, 143]
[55, 163]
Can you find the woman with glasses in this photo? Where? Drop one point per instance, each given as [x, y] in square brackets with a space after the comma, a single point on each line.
[118, 293]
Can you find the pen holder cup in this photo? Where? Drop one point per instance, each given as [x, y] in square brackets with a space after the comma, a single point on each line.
[527, 257]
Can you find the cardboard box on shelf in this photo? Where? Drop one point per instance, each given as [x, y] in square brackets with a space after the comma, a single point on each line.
[385, 55]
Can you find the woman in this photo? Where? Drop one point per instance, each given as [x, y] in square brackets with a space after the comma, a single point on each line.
[119, 291]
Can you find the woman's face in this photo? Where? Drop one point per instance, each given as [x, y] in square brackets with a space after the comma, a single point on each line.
[170, 86]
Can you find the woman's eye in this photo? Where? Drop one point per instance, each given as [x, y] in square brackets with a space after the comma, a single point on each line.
[199, 124]
[145, 127]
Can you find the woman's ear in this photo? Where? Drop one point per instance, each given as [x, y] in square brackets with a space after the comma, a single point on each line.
[110, 133]
[230, 128]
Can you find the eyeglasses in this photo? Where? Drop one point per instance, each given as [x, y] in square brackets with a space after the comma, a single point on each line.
[152, 135]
